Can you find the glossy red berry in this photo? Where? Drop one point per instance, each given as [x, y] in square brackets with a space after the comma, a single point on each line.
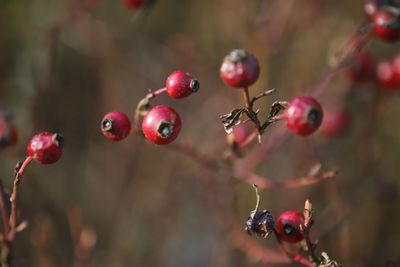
[239, 69]
[181, 84]
[387, 24]
[303, 115]
[134, 3]
[386, 76]
[362, 68]
[8, 132]
[115, 126]
[288, 226]
[161, 125]
[46, 147]
[335, 122]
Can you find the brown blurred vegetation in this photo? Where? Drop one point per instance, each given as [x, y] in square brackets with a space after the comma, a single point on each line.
[62, 73]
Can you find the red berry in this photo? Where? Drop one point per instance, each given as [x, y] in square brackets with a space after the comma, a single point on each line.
[362, 68]
[386, 76]
[239, 69]
[240, 133]
[181, 84]
[335, 122]
[303, 115]
[288, 226]
[46, 147]
[115, 126]
[8, 132]
[387, 24]
[396, 68]
[161, 125]
[134, 3]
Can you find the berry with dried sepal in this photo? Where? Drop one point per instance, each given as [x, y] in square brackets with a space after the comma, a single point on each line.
[260, 222]
[288, 226]
[387, 24]
[239, 69]
[181, 84]
[46, 147]
[335, 122]
[161, 125]
[303, 115]
[115, 126]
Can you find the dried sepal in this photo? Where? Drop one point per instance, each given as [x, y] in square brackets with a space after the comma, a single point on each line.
[276, 107]
[260, 222]
[308, 214]
[328, 262]
[231, 119]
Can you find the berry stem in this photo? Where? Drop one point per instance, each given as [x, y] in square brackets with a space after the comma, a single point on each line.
[156, 93]
[251, 113]
[144, 106]
[13, 199]
[246, 97]
[278, 117]
[294, 256]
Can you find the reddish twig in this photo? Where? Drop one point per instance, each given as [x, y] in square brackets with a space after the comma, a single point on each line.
[4, 208]
[13, 199]
[266, 183]
[294, 256]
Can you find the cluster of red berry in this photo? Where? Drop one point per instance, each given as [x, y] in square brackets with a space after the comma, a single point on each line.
[160, 124]
[287, 227]
[240, 69]
[386, 73]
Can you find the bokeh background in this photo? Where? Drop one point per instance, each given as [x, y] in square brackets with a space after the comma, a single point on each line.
[64, 64]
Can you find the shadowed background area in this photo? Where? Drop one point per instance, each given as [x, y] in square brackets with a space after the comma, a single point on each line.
[64, 64]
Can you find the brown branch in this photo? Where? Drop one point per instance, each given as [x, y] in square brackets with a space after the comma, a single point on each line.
[187, 149]
[252, 248]
[19, 169]
[263, 94]
[4, 209]
[267, 183]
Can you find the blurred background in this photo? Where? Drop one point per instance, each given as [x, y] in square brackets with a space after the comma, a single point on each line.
[64, 64]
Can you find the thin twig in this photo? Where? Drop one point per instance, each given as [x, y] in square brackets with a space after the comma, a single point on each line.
[263, 94]
[190, 151]
[13, 199]
[267, 183]
[4, 209]
[294, 256]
